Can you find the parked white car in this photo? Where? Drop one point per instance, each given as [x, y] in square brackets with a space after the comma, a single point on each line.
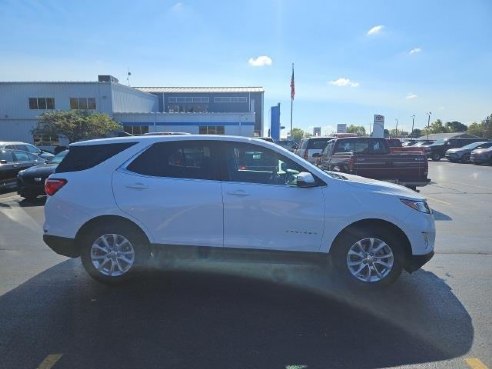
[113, 201]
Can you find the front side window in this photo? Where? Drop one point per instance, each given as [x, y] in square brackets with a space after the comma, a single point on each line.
[22, 156]
[256, 164]
[181, 159]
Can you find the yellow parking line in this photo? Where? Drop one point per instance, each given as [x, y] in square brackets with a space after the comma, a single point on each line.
[475, 363]
[50, 361]
[469, 184]
[442, 202]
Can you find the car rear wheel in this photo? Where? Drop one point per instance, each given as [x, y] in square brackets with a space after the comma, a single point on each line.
[112, 253]
[368, 258]
[436, 156]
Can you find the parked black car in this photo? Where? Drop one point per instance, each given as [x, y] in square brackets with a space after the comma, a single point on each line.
[438, 149]
[30, 182]
[13, 161]
[462, 154]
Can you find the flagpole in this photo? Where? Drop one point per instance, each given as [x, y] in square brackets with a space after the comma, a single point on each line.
[292, 93]
[291, 108]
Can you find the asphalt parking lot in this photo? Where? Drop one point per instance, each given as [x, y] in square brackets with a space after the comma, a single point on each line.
[52, 315]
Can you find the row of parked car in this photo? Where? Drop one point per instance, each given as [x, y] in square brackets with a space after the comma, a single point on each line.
[26, 167]
[457, 150]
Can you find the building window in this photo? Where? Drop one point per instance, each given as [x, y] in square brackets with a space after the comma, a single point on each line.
[45, 140]
[187, 108]
[136, 130]
[231, 99]
[41, 103]
[212, 130]
[83, 103]
[188, 99]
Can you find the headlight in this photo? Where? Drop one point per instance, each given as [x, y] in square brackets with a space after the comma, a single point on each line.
[417, 205]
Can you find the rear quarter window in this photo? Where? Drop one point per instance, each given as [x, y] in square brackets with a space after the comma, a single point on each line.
[88, 156]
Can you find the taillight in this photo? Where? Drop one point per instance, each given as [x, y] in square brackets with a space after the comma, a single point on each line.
[52, 185]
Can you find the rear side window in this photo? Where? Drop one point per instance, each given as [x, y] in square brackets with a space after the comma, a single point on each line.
[88, 156]
[181, 159]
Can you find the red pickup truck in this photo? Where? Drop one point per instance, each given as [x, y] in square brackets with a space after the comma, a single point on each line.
[373, 158]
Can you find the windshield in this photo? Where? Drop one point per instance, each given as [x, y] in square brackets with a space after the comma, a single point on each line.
[473, 145]
[58, 157]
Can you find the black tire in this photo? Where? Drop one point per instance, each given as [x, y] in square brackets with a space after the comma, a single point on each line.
[436, 156]
[465, 159]
[127, 251]
[378, 275]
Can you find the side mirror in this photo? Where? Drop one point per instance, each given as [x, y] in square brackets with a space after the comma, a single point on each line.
[316, 155]
[305, 179]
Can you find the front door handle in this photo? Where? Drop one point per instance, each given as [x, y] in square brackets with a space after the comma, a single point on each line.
[137, 186]
[240, 193]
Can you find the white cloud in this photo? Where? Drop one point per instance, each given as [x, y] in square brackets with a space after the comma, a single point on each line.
[344, 82]
[260, 61]
[411, 96]
[415, 50]
[177, 7]
[375, 30]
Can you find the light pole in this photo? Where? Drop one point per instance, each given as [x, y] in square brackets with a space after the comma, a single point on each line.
[428, 123]
[413, 123]
[396, 129]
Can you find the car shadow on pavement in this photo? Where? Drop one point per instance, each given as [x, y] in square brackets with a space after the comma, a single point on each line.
[38, 201]
[248, 316]
[440, 216]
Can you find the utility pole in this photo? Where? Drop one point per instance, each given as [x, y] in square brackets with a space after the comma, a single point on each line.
[396, 129]
[413, 123]
[428, 123]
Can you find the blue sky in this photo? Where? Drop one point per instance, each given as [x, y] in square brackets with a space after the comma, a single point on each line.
[352, 59]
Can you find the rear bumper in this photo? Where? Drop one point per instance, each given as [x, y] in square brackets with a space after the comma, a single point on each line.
[417, 261]
[63, 246]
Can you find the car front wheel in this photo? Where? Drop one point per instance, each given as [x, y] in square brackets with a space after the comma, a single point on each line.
[111, 254]
[368, 258]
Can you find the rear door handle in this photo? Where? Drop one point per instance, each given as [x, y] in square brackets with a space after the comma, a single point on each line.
[137, 186]
[240, 193]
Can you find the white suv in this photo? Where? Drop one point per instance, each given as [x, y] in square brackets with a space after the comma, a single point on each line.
[116, 202]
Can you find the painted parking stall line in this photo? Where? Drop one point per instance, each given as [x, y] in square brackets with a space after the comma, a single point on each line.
[475, 363]
[50, 361]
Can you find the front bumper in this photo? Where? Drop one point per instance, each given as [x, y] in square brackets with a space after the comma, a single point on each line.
[479, 159]
[417, 261]
[63, 246]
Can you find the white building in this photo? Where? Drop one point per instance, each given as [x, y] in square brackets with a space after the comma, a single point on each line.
[204, 110]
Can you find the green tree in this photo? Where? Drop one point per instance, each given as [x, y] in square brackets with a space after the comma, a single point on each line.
[482, 129]
[359, 130]
[475, 129]
[76, 125]
[400, 133]
[416, 133]
[435, 127]
[297, 134]
[456, 126]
